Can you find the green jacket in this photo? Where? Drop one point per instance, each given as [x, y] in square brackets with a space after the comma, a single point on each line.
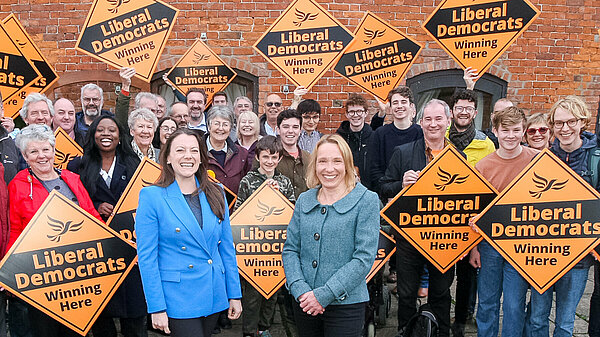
[252, 181]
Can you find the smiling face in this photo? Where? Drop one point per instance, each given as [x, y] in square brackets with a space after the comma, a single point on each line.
[356, 115]
[184, 156]
[401, 107]
[162, 107]
[91, 102]
[107, 135]
[39, 155]
[219, 100]
[180, 113]
[268, 161]
[463, 114]
[166, 130]
[310, 120]
[196, 105]
[242, 105]
[219, 129]
[567, 128]
[330, 167]
[434, 122]
[273, 106]
[509, 136]
[538, 136]
[143, 132]
[247, 127]
[64, 115]
[38, 113]
[289, 131]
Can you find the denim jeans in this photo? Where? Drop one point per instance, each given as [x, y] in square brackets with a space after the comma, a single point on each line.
[569, 290]
[497, 276]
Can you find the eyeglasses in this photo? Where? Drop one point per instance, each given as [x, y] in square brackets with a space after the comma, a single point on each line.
[91, 99]
[314, 117]
[468, 109]
[571, 123]
[542, 131]
[167, 129]
[352, 113]
[276, 104]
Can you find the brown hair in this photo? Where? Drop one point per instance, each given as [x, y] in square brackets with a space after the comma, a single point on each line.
[509, 117]
[214, 192]
[356, 99]
[312, 180]
[200, 90]
[403, 91]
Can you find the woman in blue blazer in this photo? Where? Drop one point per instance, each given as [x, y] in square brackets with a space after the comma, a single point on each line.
[331, 245]
[185, 248]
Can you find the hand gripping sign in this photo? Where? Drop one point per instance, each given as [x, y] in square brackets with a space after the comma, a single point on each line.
[67, 263]
[475, 33]
[304, 42]
[259, 228]
[65, 150]
[378, 57]
[200, 67]
[124, 33]
[433, 213]
[33, 53]
[123, 218]
[544, 222]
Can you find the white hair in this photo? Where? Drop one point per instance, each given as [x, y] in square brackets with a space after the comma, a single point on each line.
[35, 97]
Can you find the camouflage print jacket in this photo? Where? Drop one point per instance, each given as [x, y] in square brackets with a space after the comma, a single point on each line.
[252, 181]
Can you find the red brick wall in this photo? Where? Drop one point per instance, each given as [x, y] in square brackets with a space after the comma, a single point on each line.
[558, 55]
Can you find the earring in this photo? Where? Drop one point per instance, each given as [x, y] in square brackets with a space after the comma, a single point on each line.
[168, 163]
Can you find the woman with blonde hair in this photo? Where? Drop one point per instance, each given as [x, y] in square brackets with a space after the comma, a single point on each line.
[331, 244]
[248, 132]
[538, 131]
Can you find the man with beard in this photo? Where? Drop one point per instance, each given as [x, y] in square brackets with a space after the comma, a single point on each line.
[64, 117]
[268, 120]
[196, 102]
[476, 145]
[91, 103]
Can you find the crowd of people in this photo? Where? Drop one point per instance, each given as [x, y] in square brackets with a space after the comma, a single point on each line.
[187, 281]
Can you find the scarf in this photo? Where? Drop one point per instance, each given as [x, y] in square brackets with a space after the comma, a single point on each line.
[461, 139]
[138, 152]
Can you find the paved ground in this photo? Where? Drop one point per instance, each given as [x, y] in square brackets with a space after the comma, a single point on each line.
[390, 329]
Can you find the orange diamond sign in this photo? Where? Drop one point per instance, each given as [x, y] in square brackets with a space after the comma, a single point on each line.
[65, 150]
[433, 213]
[259, 228]
[31, 52]
[200, 67]
[544, 222]
[67, 263]
[123, 218]
[385, 249]
[477, 32]
[378, 57]
[304, 42]
[126, 33]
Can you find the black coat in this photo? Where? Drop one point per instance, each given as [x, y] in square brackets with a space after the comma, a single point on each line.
[128, 301]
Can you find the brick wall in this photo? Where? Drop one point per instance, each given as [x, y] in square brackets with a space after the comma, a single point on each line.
[558, 55]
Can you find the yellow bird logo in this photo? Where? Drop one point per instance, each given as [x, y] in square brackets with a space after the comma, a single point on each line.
[448, 179]
[61, 228]
[266, 210]
[545, 185]
[372, 35]
[116, 4]
[200, 57]
[303, 17]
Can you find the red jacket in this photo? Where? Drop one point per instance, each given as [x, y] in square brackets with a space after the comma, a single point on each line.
[27, 194]
[4, 229]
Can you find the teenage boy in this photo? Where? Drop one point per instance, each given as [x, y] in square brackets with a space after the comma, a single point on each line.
[496, 275]
[258, 311]
[387, 137]
[294, 160]
[310, 111]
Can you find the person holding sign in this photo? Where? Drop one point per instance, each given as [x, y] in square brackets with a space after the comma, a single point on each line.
[331, 245]
[496, 275]
[569, 118]
[405, 165]
[184, 242]
[28, 191]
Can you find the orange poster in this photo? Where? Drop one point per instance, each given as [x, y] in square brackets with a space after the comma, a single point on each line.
[200, 67]
[128, 33]
[67, 263]
[475, 33]
[304, 42]
[378, 57]
[385, 249]
[433, 213]
[65, 149]
[259, 228]
[544, 222]
[123, 220]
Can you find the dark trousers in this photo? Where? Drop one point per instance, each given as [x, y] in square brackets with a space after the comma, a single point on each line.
[466, 290]
[193, 327]
[409, 266]
[337, 320]
[594, 326]
[130, 327]
[18, 318]
[43, 325]
[258, 312]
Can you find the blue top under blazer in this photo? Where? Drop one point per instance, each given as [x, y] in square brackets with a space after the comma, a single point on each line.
[330, 249]
[188, 271]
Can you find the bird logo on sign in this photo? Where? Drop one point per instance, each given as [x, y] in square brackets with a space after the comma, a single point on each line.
[448, 179]
[545, 185]
[62, 158]
[62, 228]
[200, 57]
[373, 34]
[266, 210]
[303, 17]
[116, 4]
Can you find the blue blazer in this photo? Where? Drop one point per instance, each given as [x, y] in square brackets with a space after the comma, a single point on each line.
[188, 271]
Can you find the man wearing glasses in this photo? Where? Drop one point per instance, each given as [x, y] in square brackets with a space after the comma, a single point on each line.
[357, 133]
[268, 121]
[91, 104]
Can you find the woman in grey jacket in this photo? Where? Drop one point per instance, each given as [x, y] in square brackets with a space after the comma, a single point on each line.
[331, 244]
